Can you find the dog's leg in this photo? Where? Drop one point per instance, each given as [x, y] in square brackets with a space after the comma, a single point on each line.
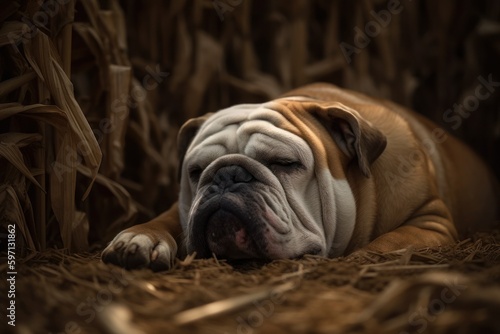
[152, 244]
[430, 226]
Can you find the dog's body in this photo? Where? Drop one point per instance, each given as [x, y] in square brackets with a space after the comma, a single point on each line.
[320, 170]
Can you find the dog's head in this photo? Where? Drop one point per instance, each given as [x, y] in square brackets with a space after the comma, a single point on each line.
[269, 180]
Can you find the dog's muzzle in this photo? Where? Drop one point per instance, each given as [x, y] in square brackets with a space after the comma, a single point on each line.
[228, 219]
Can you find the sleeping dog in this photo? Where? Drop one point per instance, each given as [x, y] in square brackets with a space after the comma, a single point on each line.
[320, 170]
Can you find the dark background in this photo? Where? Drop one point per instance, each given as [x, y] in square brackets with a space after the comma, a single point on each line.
[427, 55]
[158, 63]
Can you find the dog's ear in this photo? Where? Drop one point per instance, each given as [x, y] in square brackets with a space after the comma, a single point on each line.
[355, 136]
[186, 135]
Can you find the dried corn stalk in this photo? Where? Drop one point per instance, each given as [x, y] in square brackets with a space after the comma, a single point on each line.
[47, 139]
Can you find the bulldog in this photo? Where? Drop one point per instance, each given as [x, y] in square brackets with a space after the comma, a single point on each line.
[320, 170]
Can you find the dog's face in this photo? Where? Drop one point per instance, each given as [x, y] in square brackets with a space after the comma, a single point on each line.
[267, 181]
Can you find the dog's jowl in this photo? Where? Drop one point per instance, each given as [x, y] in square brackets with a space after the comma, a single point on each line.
[320, 170]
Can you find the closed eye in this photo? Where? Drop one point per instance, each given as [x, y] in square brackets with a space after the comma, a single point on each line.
[286, 165]
[195, 173]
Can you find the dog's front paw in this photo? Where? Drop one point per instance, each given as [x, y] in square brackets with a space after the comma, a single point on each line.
[130, 249]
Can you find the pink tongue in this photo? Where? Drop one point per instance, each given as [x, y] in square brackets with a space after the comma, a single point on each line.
[240, 238]
[227, 238]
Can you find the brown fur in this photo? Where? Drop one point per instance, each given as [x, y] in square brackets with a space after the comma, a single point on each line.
[425, 189]
[431, 202]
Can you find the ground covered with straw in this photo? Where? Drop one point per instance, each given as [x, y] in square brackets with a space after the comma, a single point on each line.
[450, 290]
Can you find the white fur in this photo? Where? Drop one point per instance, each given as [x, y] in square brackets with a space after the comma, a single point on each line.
[318, 209]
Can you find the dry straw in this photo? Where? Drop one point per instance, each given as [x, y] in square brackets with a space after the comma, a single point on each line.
[454, 289]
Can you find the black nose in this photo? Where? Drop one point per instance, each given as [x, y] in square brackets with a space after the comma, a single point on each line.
[230, 175]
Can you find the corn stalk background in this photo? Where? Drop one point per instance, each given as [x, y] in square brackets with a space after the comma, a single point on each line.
[92, 93]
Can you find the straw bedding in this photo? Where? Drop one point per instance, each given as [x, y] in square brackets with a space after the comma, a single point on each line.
[92, 94]
[450, 290]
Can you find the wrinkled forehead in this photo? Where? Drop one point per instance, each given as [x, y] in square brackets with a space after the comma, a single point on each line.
[239, 114]
[245, 119]
[281, 126]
